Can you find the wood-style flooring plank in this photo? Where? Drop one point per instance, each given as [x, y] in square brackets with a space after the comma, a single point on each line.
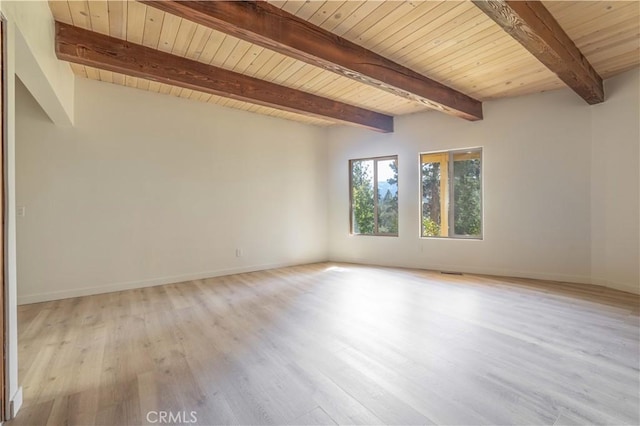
[335, 344]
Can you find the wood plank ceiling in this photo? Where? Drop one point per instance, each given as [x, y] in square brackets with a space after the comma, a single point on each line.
[452, 42]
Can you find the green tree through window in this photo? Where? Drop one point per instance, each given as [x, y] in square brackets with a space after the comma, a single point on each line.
[374, 196]
[431, 199]
[362, 196]
[452, 194]
[467, 201]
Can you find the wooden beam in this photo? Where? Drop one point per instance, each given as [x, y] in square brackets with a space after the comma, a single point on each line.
[531, 24]
[268, 26]
[85, 47]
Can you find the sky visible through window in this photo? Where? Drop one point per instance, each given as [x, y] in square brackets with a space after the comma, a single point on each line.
[386, 172]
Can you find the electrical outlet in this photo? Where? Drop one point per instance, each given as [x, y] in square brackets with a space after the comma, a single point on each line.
[21, 211]
[239, 252]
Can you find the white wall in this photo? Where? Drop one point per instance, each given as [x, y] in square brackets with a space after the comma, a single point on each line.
[11, 316]
[615, 193]
[148, 189]
[537, 187]
[30, 54]
[49, 80]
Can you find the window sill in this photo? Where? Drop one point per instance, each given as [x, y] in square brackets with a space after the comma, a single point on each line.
[453, 238]
[373, 235]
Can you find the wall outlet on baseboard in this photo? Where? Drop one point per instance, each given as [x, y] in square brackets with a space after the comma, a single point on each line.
[239, 252]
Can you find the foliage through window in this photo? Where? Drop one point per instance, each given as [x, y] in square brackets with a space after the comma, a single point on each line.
[452, 194]
[374, 196]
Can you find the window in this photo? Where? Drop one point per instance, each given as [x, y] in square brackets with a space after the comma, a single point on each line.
[452, 194]
[374, 196]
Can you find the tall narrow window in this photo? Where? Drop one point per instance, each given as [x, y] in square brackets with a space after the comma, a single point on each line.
[374, 196]
[452, 194]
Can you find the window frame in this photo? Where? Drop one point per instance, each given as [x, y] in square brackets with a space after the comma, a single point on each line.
[450, 200]
[375, 195]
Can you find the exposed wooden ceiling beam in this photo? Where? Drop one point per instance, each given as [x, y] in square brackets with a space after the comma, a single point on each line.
[85, 47]
[268, 26]
[531, 24]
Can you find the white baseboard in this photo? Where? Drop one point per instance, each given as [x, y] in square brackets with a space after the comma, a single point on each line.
[110, 288]
[577, 279]
[87, 291]
[15, 403]
[629, 288]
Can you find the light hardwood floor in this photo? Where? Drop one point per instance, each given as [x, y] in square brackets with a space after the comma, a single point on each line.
[335, 343]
